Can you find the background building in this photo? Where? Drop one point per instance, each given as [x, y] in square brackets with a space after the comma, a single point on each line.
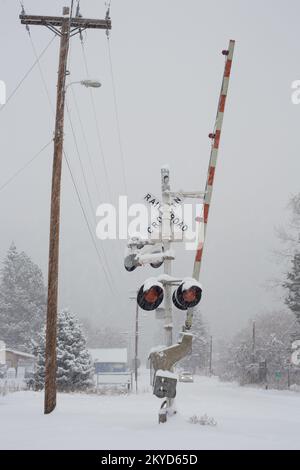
[22, 362]
[109, 360]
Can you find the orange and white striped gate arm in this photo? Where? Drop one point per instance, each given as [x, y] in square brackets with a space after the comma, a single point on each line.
[215, 137]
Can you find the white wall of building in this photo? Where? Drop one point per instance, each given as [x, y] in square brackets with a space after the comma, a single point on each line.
[2, 352]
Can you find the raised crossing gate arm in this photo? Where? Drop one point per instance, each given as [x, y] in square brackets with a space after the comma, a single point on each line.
[215, 138]
[215, 143]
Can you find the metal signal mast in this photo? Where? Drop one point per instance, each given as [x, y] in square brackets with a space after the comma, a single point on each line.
[188, 291]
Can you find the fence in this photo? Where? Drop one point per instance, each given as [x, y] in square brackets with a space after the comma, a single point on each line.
[114, 379]
[12, 385]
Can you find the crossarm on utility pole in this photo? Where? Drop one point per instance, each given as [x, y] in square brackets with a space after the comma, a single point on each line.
[81, 23]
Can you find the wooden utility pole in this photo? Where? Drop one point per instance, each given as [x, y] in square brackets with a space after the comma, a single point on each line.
[65, 27]
[51, 330]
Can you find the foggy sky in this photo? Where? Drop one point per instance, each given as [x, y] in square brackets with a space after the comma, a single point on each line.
[168, 67]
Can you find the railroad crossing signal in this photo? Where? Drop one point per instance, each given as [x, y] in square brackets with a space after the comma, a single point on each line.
[151, 294]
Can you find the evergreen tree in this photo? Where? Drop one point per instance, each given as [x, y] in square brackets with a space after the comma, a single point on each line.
[74, 363]
[293, 287]
[22, 300]
[290, 236]
[197, 360]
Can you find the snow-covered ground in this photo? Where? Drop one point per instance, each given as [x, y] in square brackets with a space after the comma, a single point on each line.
[247, 418]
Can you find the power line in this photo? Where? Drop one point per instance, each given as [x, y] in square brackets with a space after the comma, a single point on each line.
[80, 162]
[97, 186]
[117, 116]
[27, 74]
[88, 226]
[3, 186]
[71, 9]
[97, 126]
[106, 260]
[86, 144]
[41, 73]
[98, 132]
[108, 4]
[102, 262]
[25, 166]
[38, 60]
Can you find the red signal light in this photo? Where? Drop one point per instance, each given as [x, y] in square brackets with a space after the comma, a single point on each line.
[150, 296]
[190, 295]
[187, 295]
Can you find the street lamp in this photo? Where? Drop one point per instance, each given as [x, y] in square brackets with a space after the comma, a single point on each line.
[91, 83]
[86, 83]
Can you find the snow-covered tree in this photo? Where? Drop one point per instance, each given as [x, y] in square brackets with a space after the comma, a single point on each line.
[197, 360]
[274, 333]
[292, 286]
[235, 358]
[74, 363]
[22, 300]
[290, 236]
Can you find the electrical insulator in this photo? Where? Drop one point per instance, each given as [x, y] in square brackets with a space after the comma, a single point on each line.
[187, 295]
[150, 295]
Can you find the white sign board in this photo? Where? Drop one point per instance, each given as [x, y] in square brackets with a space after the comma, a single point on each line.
[176, 213]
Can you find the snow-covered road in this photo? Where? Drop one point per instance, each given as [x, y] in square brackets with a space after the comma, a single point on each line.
[246, 419]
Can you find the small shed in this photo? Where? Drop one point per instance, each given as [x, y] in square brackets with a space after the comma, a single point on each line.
[109, 360]
[16, 359]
